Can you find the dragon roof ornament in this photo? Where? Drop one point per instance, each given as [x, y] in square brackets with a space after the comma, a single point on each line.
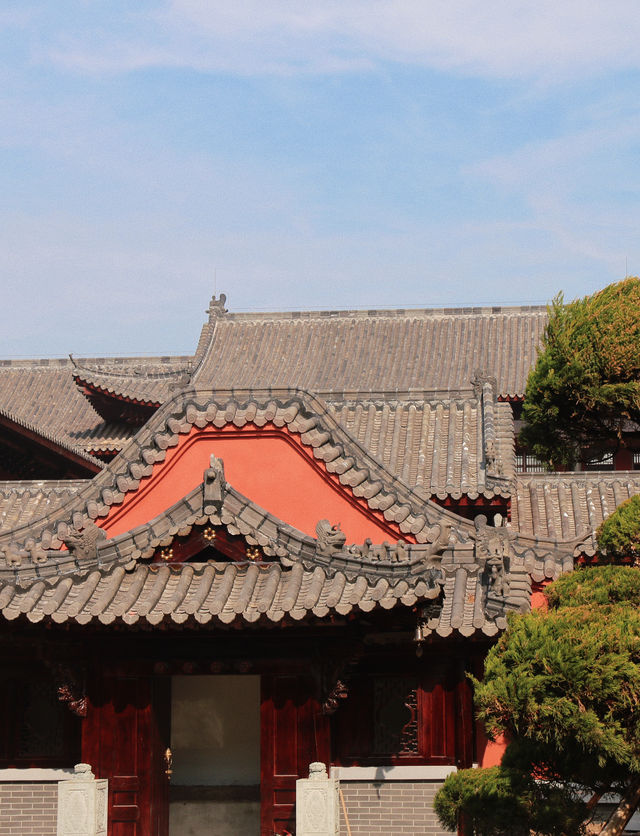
[216, 307]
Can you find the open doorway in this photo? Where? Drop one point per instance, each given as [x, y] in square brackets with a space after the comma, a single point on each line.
[215, 741]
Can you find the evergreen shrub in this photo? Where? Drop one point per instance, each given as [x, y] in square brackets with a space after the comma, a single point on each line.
[619, 535]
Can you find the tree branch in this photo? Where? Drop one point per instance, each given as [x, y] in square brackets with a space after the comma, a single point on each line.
[620, 817]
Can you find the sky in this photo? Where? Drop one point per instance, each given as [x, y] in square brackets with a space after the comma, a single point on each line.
[306, 155]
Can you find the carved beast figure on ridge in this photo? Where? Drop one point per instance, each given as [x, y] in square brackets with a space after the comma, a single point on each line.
[331, 538]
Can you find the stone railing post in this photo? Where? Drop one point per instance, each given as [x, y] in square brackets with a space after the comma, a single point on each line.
[82, 804]
[317, 808]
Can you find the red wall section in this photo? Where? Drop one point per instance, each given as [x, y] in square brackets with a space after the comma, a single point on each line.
[538, 598]
[490, 752]
[271, 467]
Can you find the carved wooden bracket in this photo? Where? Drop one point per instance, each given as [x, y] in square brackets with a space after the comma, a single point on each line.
[70, 688]
[337, 680]
[340, 691]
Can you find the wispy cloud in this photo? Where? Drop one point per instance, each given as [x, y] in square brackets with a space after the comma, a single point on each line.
[499, 38]
[582, 187]
[328, 153]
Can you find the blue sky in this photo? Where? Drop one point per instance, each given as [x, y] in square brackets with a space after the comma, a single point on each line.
[362, 153]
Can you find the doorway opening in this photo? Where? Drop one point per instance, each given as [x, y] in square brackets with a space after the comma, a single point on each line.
[215, 741]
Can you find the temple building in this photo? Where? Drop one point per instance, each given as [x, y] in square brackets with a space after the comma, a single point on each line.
[289, 547]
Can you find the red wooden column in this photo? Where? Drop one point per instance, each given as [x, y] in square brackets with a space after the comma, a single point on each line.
[294, 733]
[124, 738]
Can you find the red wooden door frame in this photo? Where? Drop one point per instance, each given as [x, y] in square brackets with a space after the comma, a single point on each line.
[293, 734]
[126, 733]
[124, 739]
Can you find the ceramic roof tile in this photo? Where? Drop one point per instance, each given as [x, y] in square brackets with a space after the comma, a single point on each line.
[380, 351]
[42, 394]
[23, 502]
[226, 592]
[151, 384]
[435, 446]
[46, 397]
[564, 506]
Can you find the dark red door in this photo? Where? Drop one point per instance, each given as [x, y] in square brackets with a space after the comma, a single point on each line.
[294, 733]
[125, 738]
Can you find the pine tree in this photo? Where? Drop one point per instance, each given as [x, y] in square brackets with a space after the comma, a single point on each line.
[585, 387]
[619, 535]
[564, 687]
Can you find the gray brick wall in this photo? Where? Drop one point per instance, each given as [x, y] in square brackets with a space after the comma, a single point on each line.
[395, 808]
[28, 809]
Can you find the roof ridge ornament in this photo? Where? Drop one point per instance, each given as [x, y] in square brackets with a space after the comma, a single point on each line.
[84, 545]
[216, 307]
[492, 543]
[482, 378]
[331, 542]
[331, 538]
[213, 487]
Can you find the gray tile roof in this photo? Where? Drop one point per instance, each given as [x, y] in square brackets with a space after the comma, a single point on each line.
[450, 554]
[202, 592]
[389, 401]
[149, 384]
[436, 446]
[114, 581]
[228, 592]
[409, 372]
[64, 445]
[301, 413]
[570, 505]
[358, 352]
[23, 502]
[42, 395]
[45, 396]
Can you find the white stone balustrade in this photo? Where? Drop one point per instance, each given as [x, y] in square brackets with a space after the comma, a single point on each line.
[317, 805]
[82, 804]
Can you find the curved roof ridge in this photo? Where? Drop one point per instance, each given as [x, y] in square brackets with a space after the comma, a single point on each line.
[395, 313]
[132, 391]
[128, 373]
[303, 413]
[240, 516]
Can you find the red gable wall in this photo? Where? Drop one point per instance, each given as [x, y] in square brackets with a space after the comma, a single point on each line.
[270, 466]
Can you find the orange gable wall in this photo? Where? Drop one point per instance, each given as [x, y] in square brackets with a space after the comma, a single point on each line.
[538, 598]
[269, 466]
[491, 751]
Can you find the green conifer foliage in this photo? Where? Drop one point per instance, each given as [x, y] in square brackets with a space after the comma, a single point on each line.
[564, 687]
[585, 386]
[619, 535]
